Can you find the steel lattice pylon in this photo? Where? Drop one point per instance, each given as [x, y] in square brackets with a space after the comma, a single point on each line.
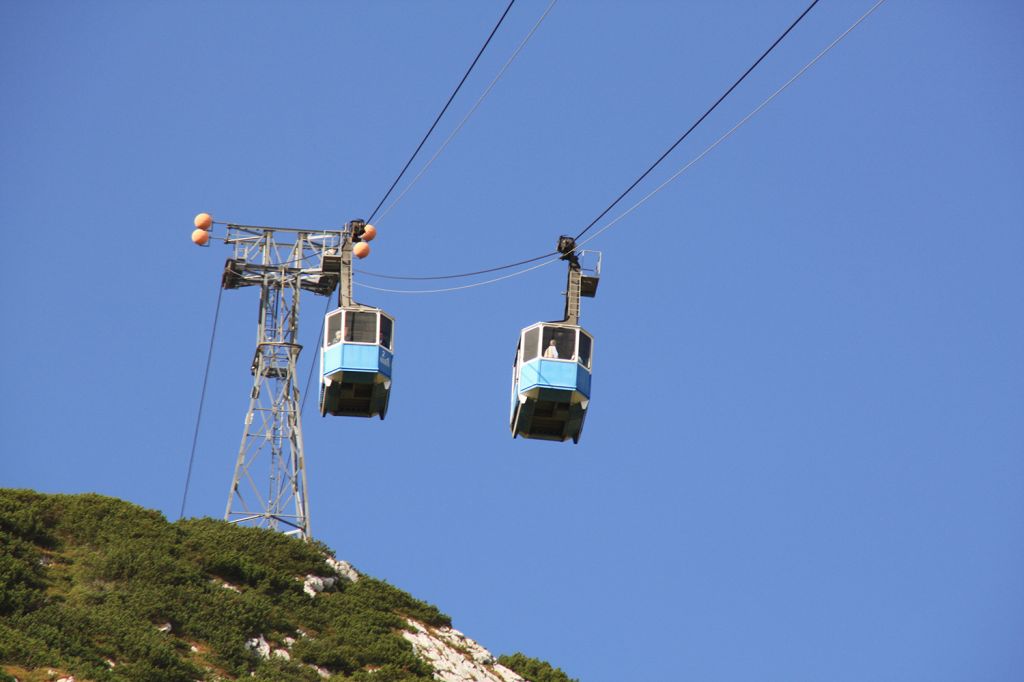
[269, 485]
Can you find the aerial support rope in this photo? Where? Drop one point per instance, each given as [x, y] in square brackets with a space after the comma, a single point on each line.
[202, 399]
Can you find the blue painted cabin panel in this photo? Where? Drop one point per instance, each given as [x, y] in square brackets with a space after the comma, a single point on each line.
[569, 376]
[356, 357]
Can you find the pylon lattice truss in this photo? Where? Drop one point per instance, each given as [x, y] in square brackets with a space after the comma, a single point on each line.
[269, 484]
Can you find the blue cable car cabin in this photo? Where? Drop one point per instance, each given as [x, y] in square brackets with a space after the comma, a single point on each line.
[355, 362]
[551, 382]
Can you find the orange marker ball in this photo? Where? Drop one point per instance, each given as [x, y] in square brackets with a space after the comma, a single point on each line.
[200, 237]
[361, 250]
[369, 232]
[204, 221]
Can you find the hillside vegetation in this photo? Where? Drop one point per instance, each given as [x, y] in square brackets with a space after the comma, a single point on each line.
[108, 591]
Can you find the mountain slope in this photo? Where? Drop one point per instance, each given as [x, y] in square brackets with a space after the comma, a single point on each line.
[100, 589]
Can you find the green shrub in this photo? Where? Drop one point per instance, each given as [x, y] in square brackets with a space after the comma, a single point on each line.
[22, 581]
[278, 670]
[23, 514]
[533, 669]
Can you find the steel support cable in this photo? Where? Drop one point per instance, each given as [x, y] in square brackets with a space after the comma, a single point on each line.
[736, 127]
[447, 104]
[202, 399]
[671, 178]
[472, 110]
[637, 181]
[699, 120]
[465, 286]
[464, 274]
[312, 361]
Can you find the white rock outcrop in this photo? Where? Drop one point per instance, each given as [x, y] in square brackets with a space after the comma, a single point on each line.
[260, 646]
[455, 657]
[314, 584]
[343, 568]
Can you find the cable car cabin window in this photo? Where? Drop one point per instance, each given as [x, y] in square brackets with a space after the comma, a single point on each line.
[559, 343]
[360, 327]
[333, 329]
[385, 331]
[530, 344]
[585, 344]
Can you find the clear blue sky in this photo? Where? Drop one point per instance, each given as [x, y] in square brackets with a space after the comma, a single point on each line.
[804, 458]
